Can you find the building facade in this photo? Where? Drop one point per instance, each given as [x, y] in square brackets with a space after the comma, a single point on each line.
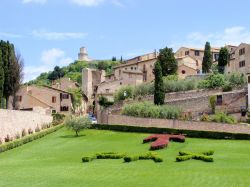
[48, 98]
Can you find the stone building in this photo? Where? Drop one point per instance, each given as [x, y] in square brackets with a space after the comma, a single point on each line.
[91, 78]
[239, 59]
[83, 55]
[48, 98]
[65, 84]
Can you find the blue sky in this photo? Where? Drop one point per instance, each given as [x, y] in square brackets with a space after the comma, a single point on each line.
[50, 32]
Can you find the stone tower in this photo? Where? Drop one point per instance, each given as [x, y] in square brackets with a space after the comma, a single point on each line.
[83, 55]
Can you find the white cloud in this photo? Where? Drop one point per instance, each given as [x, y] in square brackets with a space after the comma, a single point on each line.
[87, 2]
[10, 35]
[34, 1]
[43, 34]
[229, 36]
[49, 59]
[118, 3]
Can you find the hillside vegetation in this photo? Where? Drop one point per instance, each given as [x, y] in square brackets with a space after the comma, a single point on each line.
[73, 71]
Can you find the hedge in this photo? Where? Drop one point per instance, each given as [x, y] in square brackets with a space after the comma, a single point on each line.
[148, 156]
[204, 156]
[105, 155]
[29, 138]
[189, 133]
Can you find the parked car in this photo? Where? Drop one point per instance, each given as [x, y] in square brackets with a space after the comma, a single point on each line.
[92, 118]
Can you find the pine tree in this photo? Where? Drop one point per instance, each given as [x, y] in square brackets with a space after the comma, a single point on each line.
[159, 94]
[223, 59]
[167, 61]
[207, 59]
[1, 78]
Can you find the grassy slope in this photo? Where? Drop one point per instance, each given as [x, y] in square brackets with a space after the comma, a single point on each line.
[56, 161]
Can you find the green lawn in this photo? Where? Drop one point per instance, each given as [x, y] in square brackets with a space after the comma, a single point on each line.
[55, 160]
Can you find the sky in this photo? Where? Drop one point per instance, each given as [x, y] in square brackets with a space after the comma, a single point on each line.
[50, 32]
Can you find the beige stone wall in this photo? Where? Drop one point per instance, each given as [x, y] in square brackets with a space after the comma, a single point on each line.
[13, 122]
[174, 124]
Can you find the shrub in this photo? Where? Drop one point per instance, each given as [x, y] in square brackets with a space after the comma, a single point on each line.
[212, 103]
[227, 87]
[180, 85]
[30, 131]
[8, 138]
[204, 156]
[149, 110]
[236, 79]
[221, 117]
[77, 124]
[144, 89]
[123, 93]
[109, 155]
[147, 156]
[212, 81]
[88, 158]
[37, 129]
[26, 139]
[161, 141]
[17, 136]
[103, 101]
[24, 133]
[57, 119]
[130, 158]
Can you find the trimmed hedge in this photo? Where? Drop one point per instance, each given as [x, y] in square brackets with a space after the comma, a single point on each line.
[105, 155]
[148, 156]
[189, 133]
[29, 138]
[204, 156]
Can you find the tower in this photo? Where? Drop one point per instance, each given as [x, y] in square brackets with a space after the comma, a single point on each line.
[83, 55]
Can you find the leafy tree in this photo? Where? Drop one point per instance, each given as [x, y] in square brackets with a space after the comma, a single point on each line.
[159, 94]
[212, 103]
[76, 98]
[223, 59]
[207, 59]
[103, 65]
[1, 78]
[121, 60]
[77, 124]
[56, 74]
[167, 61]
[113, 58]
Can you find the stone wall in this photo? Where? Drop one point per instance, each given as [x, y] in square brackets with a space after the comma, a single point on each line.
[14, 121]
[175, 124]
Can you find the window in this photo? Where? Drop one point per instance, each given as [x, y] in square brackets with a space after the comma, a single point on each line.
[242, 51]
[132, 68]
[216, 56]
[125, 68]
[197, 53]
[53, 99]
[183, 71]
[197, 63]
[248, 79]
[186, 53]
[135, 68]
[19, 98]
[219, 100]
[107, 90]
[120, 83]
[242, 64]
[64, 96]
[64, 108]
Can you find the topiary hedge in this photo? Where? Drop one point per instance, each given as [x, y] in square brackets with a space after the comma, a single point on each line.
[29, 138]
[204, 156]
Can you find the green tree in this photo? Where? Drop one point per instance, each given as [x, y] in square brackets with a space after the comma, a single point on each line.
[1, 78]
[223, 59]
[207, 59]
[159, 94]
[167, 61]
[113, 58]
[56, 74]
[77, 124]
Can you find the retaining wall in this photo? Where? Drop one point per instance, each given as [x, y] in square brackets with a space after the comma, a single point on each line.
[14, 121]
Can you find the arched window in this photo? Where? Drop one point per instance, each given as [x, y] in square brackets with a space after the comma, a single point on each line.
[183, 71]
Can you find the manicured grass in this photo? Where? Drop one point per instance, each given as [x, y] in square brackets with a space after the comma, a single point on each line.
[55, 160]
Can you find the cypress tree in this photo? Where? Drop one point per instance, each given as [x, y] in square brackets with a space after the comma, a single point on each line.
[159, 94]
[1, 78]
[167, 61]
[223, 59]
[207, 59]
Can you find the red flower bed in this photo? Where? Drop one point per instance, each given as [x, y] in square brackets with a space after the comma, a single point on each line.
[161, 141]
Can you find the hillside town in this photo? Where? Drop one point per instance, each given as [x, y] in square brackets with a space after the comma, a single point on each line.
[116, 93]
